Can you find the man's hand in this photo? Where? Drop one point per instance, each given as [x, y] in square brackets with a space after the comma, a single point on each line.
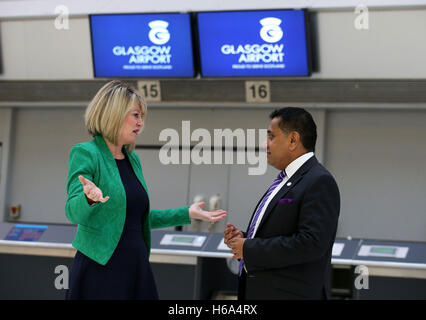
[231, 232]
[236, 244]
[234, 239]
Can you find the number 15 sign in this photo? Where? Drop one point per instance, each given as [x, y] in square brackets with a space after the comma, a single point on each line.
[151, 90]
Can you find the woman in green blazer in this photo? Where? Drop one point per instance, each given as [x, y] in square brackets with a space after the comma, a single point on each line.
[107, 198]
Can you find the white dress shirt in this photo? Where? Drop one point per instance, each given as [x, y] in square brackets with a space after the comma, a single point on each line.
[290, 170]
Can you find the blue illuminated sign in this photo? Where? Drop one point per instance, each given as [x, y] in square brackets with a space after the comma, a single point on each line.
[25, 232]
[142, 45]
[253, 43]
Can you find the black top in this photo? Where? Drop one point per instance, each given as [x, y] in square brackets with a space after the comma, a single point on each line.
[136, 197]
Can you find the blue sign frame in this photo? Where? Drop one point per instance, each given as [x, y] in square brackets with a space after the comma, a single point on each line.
[142, 45]
[265, 43]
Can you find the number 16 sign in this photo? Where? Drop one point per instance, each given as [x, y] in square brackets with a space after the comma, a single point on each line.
[258, 91]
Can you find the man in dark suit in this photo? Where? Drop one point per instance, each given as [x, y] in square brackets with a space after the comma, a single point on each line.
[286, 251]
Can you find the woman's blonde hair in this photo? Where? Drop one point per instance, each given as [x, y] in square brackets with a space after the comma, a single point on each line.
[108, 109]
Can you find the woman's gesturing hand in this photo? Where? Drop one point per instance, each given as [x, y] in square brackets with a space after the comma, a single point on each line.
[196, 212]
[92, 192]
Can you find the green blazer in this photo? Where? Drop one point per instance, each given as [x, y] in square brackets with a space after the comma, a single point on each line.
[100, 226]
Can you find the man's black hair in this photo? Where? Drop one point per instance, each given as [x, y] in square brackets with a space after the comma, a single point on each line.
[299, 120]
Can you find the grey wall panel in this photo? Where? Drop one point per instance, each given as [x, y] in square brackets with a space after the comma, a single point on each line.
[6, 119]
[2, 123]
[1, 158]
[245, 192]
[35, 49]
[209, 181]
[2, 133]
[167, 184]
[347, 52]
[379, 162]
[160, 119]
[42, 139]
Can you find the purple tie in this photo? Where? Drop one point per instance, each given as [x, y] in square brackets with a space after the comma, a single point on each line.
[271, 189]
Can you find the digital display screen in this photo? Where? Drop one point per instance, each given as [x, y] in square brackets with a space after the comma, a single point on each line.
[183, 239]
[383, 250]
[25, 232]
[142, 45]
[253, 43]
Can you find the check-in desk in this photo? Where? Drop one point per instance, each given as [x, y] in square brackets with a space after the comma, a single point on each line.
[185, 265]
[374, 269]
[29, 259]
[190, 265]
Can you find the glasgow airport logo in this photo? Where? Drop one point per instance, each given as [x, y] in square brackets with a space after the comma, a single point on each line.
[159, 34]
[157, 56]
[267, 54]
[271, 31]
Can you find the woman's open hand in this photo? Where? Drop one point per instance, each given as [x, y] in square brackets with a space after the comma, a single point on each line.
[92, 192]
[196, 212]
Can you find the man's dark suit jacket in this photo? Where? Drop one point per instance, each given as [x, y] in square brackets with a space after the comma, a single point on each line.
[290, 255]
